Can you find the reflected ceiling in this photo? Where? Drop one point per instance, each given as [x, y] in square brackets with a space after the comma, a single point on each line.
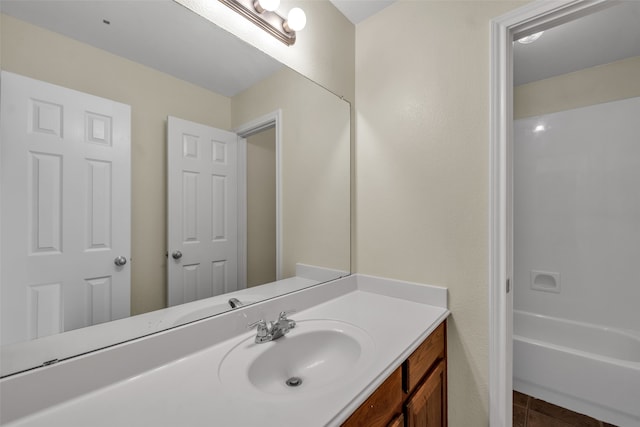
[171, 42]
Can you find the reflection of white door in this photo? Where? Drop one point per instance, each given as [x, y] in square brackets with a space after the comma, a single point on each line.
[202, 211]
[66, 202]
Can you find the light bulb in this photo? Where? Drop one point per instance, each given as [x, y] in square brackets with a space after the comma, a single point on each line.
[531, 38]
[270, 5]
[296, 20]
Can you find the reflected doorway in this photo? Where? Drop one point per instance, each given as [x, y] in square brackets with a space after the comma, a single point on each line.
[261, 207]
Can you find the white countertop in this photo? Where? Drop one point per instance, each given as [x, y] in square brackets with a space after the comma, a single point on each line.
[188, 392]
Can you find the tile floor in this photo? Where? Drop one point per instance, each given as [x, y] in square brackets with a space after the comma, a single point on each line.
[532, 412]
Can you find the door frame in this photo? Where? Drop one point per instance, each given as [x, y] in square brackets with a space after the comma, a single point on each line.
[526, 20]
[245, 130]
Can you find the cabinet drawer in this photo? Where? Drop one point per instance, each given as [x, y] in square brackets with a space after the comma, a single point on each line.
[380, 407]
[421, 360]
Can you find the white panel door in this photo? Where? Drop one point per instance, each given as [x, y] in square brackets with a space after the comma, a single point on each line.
[65, 203]
[202, 211]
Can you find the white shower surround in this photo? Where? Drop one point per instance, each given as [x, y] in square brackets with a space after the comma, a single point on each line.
[577, 213]
[577, 216]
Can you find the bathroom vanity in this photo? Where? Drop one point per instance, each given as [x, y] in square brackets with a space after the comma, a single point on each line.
[366, 351]
[415, 394]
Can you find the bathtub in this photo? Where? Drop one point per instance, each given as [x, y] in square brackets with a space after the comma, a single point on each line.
[587, 368]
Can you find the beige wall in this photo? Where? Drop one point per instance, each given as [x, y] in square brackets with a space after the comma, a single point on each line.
[315, 167]
[261, 207]
[43, 55]
[422, 106]
[595, 85]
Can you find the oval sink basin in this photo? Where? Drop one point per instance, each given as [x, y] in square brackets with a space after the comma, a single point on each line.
[313, 357]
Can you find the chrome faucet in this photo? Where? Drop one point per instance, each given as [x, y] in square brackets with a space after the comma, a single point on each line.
[273, 330]
[235, 303]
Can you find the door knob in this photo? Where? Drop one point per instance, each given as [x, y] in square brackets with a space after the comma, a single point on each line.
[120, 261]
[177, 255]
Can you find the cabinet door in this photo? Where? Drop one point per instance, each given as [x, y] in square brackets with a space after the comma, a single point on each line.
[427, 406]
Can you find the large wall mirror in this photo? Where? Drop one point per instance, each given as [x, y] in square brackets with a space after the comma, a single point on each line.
[156, 170]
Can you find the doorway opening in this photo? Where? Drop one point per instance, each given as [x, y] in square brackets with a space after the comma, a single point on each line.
[525, 21]
[260, 149]
[261, 207]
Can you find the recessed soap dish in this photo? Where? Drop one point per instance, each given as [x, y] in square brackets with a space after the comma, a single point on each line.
[545, 281]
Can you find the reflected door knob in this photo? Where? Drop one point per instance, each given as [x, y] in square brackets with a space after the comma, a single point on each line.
[120, 261]
[177, 255]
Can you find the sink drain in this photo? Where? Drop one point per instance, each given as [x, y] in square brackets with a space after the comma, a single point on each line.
[294, 381]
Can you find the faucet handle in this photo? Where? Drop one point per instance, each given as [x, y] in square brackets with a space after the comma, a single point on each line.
[263, 329]
[256, 323]
[264, 333]
[283, 314]
[282, 317]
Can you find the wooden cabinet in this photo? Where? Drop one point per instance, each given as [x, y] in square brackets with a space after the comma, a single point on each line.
[398, 421]
[423, 359]
[426, 407]
[381, 406]
[415, 394]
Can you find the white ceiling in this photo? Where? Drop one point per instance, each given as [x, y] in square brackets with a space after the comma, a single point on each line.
[605, 36]
[359, 10]
[160, 34]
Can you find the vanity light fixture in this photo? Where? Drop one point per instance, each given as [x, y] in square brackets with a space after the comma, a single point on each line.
[270, 5]
[264, 14]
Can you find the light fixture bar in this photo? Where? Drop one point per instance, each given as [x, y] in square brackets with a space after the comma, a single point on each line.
[271, 22]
